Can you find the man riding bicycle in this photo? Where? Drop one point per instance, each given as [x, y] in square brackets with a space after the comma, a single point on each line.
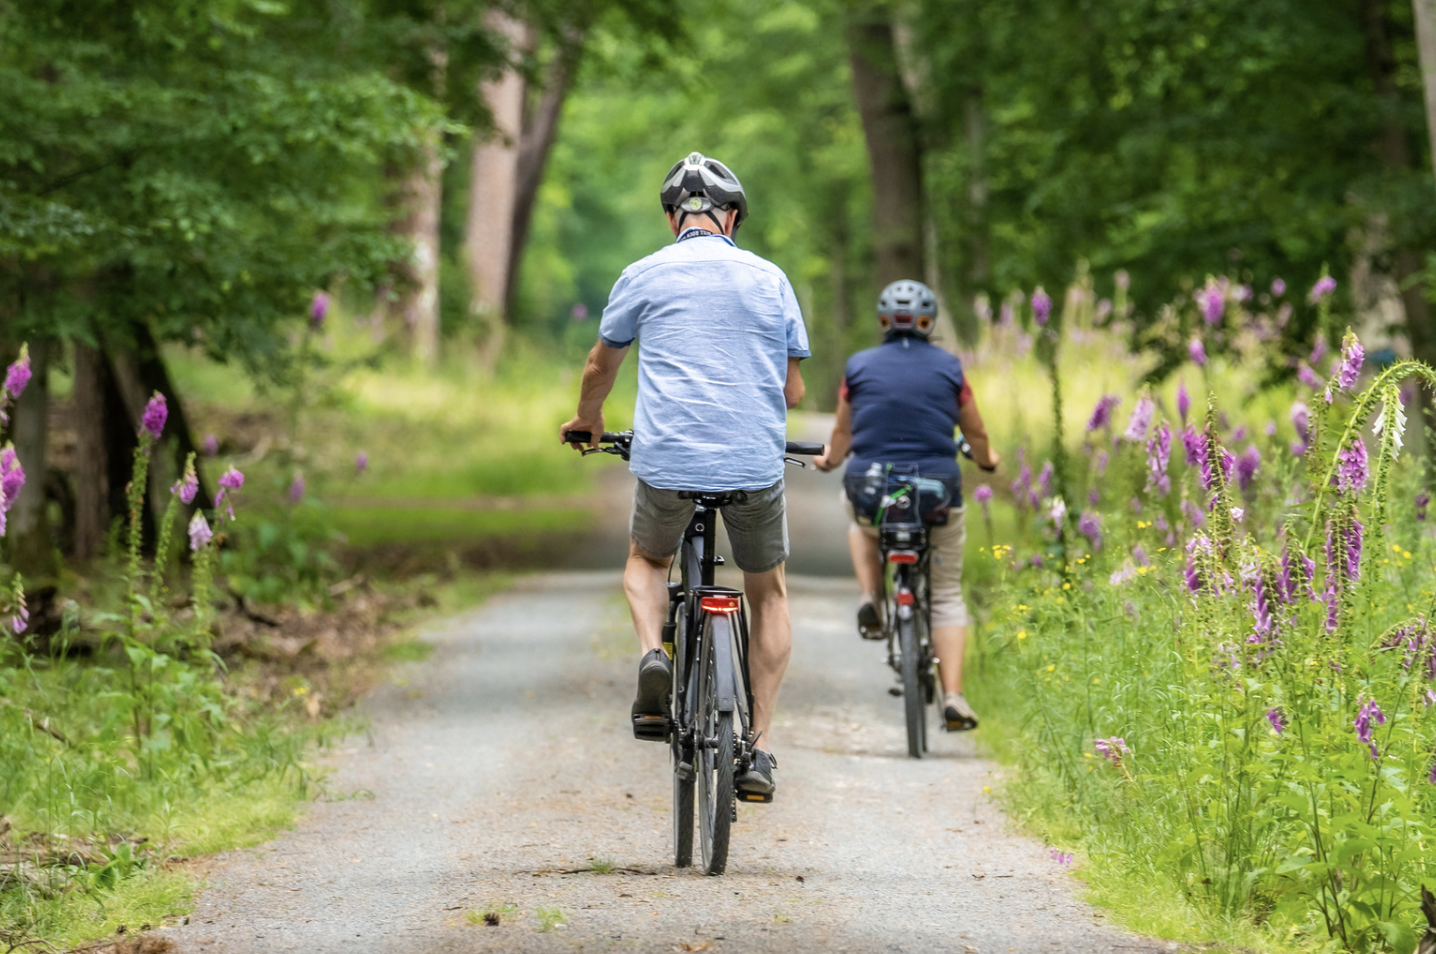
[897, 409]
[721, 337]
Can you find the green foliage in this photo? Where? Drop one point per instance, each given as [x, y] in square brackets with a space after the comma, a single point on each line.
[283, 556]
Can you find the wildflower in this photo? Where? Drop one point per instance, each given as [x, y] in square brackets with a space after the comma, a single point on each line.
[1044, 479]
[187, 486]
[1137, 506]
[1247, 466]
[1006, 315]
[1140, 556]
[1352, 356]
[1196, 352]
[199, 532]
[1193, 513]
[1159, 454]
[1041, 306]
[1227, 461]
[1060, 857]
[1195, 445]
[1093, 496]
[1263, 627]
[1423, 500]
[1184, 401]
[1099, 462]
[1278, 288]
[1370, 712]
[1122, 279]
[231, 479]
[361, 464]
[1104, 308]
[1213, 303]
[1102, 413]
[210, 445]
[1140, 420]
[1123, 574]
[1431, 778]
[1239, 435]
[1090, 526]
[1198, 547]
[1324, 286]
[1269, 429]
[1301, 420]
[1237, 514]
[318, 309]
[1309, 377]
[1112, 749]
[153, 420]
[1351, 468]
[1277, 719]
[20, 621]
[1318, 350]
[12, 478]
[1056, 510]
[1022, 485]
[296, 488]
[18, 374]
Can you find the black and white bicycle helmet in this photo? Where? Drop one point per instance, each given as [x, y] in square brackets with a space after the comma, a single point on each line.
[700, 185]
[907, 308]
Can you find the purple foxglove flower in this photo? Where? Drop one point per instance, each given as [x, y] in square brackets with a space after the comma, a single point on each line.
[1139, 556]
[1099, 462]
[1060, 857]
[982, 493]
[1247, 466]
[1352, 357]
[1324, 286]
[210, 445]
[1184, 401]
[199, 532]
[296, 488]
[1351, 468]
[18, 374]
[1301, 420]
[1112, 749]
[1090, 526]
[1102, 413]
[1309, 377]
[1159, 454]
[1044, 479]
[1057, 511]
[318, 309]
[1370, 712]
[1277, 720]
[1318, 350]
[1022, 485]
[1213, 304]
[1195, 444]
[1140, 420]
[1137, 506]
[1104, 309]
[1351, 549]
[187, 486]
[12, 477]
[1193, 514]
[153, 420]
[361, 463]
[1278, 288]
[1041, 306]
[231, 479]
[1423, 500]
[1196, 352]
[1242, 293]
[1122, 280]
[1270, 429]
[1431, 777]
[1006, 315]
[1123, 574]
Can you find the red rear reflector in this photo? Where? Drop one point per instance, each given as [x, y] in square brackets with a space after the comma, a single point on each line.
[902, 556]
[720, 604]
[905, 598]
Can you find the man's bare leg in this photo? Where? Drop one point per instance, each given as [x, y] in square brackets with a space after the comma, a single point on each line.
[645, 583]
[950, 642]
[867, 562]
[769, 646]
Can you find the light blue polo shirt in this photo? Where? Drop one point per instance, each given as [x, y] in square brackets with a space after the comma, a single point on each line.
[716, 326]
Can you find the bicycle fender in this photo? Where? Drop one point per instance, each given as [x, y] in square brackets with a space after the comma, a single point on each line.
[721, 631]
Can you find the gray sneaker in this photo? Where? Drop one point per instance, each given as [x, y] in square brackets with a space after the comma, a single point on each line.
[756, 784]
[956, 713]
[870, 624]
[655, 687]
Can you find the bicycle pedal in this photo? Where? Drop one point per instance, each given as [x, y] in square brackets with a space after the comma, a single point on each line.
[651, 728]
[755, 797]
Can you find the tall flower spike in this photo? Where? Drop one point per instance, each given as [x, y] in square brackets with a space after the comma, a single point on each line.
[1184, 401]
[1196, 352]
[318, 309]
[1140, 420]
[156, 412]
[188, 485]
[1041, 306]
[1324, 286]
[199, 532]
[1352, 469]
[1159, 453]
[18, 374]
[1352, 357]
[1102, 413]
[12, 478]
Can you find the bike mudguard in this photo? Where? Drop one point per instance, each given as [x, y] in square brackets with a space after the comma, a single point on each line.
[721, 630]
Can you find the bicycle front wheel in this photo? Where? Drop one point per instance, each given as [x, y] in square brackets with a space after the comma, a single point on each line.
[714, 751]
[912, 688]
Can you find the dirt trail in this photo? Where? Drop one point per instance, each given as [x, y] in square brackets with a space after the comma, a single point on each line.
[504, 765]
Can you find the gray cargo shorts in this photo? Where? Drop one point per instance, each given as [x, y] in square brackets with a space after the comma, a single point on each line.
[757, 527]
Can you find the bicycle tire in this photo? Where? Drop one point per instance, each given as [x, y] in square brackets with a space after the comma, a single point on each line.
[682, 787]
[714, 759]
[913, 708]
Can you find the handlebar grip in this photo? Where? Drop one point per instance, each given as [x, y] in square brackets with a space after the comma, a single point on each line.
[804, 447]
[965, 449]
[578, 437]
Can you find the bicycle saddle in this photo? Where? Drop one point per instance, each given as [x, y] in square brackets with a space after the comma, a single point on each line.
[720, 498]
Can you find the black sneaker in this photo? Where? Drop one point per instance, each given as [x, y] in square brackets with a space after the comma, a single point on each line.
[756, 784]
[655, 687]
[869, 625]
[957, 714]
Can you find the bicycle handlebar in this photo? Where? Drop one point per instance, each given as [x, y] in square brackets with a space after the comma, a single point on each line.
[625, 438]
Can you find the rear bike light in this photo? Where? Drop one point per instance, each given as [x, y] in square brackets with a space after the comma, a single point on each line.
[902, 556]
[905, 598]
[720, 604]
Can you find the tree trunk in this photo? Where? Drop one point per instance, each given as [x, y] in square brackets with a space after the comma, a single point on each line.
[421, 197]
[95, 401]
[1395, 154]
[1426, 47]
[493, 194]
[535, 142]
[32, 547]
[890, 128]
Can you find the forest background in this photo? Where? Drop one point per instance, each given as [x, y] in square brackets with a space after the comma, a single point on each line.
[190, 191]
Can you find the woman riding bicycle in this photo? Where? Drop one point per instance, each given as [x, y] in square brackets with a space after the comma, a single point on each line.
[897, 410]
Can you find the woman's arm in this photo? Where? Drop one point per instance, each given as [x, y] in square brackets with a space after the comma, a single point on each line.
[842, 440]
[975, 431]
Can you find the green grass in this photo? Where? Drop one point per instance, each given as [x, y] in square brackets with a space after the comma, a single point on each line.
[550, 918]
[369, 526]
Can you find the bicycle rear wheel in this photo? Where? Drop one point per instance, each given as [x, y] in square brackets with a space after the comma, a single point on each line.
[714, 751]
[912, 689]
[682, 754]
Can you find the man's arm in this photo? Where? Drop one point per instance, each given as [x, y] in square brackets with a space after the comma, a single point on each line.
[793, 388]
[976, 433]
[842, 440]
[599, 373]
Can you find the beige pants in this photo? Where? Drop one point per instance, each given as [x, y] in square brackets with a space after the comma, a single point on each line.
[945, 545]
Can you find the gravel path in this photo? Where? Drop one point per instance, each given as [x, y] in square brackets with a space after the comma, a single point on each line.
[497, 773]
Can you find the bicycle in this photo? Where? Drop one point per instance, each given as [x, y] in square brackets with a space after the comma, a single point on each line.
[709, 725]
